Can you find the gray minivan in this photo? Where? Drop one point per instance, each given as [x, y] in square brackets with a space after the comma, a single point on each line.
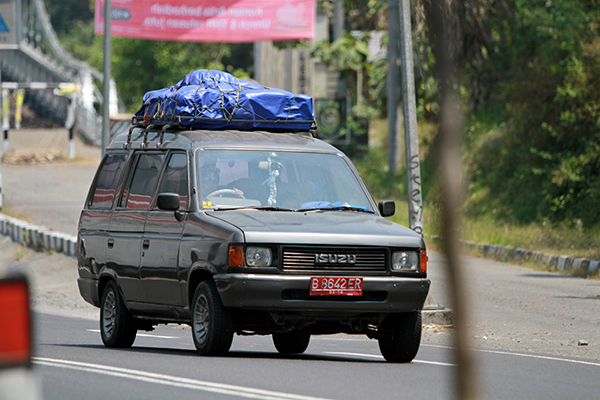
[247, 232]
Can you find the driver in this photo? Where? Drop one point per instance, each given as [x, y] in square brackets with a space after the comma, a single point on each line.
[209, 181]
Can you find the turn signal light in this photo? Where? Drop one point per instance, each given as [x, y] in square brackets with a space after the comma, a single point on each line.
[236, 255]
[424, 260]
[15, 322]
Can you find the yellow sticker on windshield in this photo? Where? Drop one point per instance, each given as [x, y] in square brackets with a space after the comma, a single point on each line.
[207, 204]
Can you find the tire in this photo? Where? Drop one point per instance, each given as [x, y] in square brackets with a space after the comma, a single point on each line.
[212, 324]
[291, 343]
[117, 326]
[401, 337]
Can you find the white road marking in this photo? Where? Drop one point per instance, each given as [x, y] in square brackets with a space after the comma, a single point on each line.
[508, 353]
[443, 364]
[541, 357]
[381, 358]
[140, 334]
[175, 381]
[342, 353]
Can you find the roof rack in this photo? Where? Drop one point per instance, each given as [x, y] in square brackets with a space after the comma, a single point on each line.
[139, 124]
[146, 130]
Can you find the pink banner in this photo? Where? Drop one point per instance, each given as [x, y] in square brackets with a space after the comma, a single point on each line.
[210, 20]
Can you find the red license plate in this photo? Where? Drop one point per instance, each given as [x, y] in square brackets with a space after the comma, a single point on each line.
[336, 286]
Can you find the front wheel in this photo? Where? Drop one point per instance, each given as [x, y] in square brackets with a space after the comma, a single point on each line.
[400, 337]
[117, 326]
[212, 324]
[291, 343]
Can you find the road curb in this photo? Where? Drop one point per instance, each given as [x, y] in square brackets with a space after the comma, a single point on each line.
[574, 265]
[437, 315]
[37, 237]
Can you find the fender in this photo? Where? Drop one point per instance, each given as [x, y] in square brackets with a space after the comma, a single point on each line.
[199, 271]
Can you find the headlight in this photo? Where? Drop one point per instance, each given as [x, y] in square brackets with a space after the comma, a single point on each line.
[405, 261]
[258, 257]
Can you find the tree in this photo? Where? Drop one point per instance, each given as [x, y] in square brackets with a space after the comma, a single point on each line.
[542, 163]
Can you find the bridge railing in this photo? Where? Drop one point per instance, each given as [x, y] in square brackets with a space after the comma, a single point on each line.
[39, 57]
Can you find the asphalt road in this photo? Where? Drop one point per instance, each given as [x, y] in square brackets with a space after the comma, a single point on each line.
[74, 364]
[52, 194]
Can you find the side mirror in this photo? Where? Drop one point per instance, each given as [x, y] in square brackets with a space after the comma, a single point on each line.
[168, 201]
[387, 208]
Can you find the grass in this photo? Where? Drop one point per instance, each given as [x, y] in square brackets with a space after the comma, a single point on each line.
[573, 241]
[555, 239]
[7, 210]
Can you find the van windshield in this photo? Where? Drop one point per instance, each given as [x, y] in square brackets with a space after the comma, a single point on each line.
[278, 181]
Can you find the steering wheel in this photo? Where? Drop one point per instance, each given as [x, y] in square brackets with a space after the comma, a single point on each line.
[226, 193]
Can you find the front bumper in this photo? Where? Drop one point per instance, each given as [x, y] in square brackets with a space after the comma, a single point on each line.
[266, 292]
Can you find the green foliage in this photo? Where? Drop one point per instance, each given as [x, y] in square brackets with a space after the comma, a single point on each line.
[66, 14]
[350, 54]
[542, 162]
[82, 43]
[372, 167]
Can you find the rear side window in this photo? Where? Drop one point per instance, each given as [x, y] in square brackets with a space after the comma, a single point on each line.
[108, 180]
[140, 191]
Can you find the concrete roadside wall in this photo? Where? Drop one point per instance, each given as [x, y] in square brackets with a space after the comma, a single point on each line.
[38, 237]
[575, 265]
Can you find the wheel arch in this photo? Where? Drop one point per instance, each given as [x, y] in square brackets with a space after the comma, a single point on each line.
[198, 273]
[103, 280]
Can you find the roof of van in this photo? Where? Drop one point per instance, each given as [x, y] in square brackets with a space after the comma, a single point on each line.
[230, 139]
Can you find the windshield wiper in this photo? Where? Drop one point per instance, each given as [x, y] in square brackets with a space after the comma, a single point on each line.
[338, 208]
[260, 208]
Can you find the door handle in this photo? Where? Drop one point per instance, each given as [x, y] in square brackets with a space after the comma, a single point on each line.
[111, 243]
[146, 244]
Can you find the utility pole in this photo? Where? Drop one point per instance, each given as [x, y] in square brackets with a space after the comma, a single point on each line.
[393, 79]
[338, 19]
[257, 62]
[106, 77]
[409, 106]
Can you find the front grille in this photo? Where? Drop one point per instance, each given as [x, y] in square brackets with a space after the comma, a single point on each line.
[334, 259]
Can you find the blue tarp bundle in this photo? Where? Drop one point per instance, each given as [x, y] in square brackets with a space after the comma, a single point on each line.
[209, 99]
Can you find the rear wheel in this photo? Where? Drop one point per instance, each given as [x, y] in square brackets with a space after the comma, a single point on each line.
[212, 324]
[400, 337]
[117, 326]
[291, 343]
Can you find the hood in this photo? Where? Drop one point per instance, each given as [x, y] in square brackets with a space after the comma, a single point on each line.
[319, 227]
